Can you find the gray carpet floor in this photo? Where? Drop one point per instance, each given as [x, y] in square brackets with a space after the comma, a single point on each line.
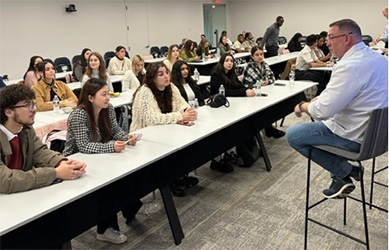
[252, 208]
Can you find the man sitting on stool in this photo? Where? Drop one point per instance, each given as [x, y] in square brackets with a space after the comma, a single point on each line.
[359, 85]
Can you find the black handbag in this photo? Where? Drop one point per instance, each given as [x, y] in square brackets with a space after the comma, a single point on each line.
[218, 100]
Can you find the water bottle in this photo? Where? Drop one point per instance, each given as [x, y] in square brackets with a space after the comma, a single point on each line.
[56, 104]
[292, 75]
[279, 51]
[196, 75]
[203, 56]
[257, 88]
[195, 104]
[218, 52]
[222, 90]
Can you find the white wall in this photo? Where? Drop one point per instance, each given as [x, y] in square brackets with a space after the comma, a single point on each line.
[42, 27]
[306, 17]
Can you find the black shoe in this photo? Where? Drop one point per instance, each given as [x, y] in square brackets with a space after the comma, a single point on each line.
[231, 157]
[177, 190]
[189, 181]
[339, 188]
[273, 132]
[221, 166]
[355, 173]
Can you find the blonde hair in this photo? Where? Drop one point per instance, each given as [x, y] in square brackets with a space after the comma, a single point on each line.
[135, 60]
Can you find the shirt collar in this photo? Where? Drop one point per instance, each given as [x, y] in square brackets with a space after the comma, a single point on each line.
[353, 49]
[8, 133]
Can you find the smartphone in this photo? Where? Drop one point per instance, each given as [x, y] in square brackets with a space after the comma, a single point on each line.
[279, 84]
[139, 136]
[263, 94]
[186, 123]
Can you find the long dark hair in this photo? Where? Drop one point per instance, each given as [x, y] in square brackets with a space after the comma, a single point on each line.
[230, 77]
[90, 88]
[165, 98]
[31, 66]
[186, 48]
[41, 67]
[83, 61]
[177, 78]
[102, 69]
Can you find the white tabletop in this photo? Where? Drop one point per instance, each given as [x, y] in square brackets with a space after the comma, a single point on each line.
[204, 80]
[211, 120]
[276, 59]
[322, 68]
[102, 170]
[155, 60]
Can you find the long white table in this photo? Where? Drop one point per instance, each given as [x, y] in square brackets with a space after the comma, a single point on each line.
[276, 59]
[57, 213]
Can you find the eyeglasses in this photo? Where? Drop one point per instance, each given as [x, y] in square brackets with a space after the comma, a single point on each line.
[333, 37]
[29, 105]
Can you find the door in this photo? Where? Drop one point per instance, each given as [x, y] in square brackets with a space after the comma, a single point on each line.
[214, 22]
[137, 28]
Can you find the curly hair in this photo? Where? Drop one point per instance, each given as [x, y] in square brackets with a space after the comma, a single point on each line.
[11, 95]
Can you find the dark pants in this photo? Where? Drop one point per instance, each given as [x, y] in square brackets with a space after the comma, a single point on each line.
[128, 213]
[272, 50]
[316, 76]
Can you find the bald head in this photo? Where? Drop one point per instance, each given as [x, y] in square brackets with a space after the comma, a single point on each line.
[385, 12]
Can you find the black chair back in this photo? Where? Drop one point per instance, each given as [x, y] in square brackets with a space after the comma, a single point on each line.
[62, 64]
[75, 59]
[163, 51]
[282, 40]
[367, 39]
[155, 52]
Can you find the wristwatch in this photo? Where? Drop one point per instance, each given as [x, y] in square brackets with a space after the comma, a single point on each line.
[301, 104]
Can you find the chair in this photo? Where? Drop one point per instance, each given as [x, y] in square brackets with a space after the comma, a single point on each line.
[155, 52]
[107, 56]
[282, 40]
[375, 143]
[75, 59]
[62, 64]
[289, 63]
[49, 60]
[367, 39]
[303, 40]
[164, 50]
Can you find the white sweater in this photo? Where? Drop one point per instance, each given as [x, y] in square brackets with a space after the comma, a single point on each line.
[146, 112]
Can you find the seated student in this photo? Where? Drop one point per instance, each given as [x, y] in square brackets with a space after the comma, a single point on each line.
[187, 52]
[259, 42]
[324, 47]
[173, 55]
[318, 50]
[224, 46]
[204, 37]
[256, 70]
[224, 33]
[47, 87]
[133, 78]
[96, 69]
[249, 41]
[159, 102]
[224, 74]
[25, 162]
[32, 75]
[238, 45]
[203, 48]
[92, 129]
[119, 64]
[307, 59]
[295, 43]
[80, 66]
[184, 82]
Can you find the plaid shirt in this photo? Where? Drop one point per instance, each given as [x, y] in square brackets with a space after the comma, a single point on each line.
[253, 73]
[79, 136]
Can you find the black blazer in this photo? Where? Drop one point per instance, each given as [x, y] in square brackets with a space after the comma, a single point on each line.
[231, 90]
[196, 90]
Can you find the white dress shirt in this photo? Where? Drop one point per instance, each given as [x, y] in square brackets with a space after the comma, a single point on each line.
[358, 85]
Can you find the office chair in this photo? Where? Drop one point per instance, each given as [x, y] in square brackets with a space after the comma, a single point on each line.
[282, 40]
[367, 39]
[62, 64]
[75, 59]
[155, 52]
[375, 143]
[164, 50]
[303, 40]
